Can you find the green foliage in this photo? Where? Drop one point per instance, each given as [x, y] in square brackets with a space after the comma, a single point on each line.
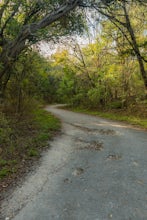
[96, 95]
[66, 88]
[46, 121]
[3, 162]
[5, 130]
[33, 152]
[116, 115]
[32, 133]
[7, 167]
[4, 172]
[66, 26]
[15, 16]
[31, 80]
[116, 105]
[104, 74]
[43, 137]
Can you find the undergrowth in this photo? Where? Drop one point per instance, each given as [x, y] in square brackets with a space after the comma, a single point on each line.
[134, 118]
[21, 139]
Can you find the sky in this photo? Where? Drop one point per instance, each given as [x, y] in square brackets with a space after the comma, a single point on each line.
[47, 49]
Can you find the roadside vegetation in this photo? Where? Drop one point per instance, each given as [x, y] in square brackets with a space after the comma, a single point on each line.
[25, 127]
[138, 118]
[22, 141]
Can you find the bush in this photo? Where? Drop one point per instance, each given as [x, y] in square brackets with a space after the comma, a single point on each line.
[5, 130]
[115, 105]
[4, 172]
[33, 152]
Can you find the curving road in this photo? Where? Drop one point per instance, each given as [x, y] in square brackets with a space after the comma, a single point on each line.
[95, 170]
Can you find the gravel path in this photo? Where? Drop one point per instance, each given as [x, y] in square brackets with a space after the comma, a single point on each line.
[95, 170]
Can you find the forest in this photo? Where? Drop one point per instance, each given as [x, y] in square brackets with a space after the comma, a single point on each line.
[106, 73]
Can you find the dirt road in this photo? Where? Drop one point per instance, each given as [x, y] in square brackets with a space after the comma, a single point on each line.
[95, 170]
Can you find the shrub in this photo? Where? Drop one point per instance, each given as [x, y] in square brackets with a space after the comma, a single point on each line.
[5, 130]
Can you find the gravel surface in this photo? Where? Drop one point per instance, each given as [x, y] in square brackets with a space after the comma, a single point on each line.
[95, 170]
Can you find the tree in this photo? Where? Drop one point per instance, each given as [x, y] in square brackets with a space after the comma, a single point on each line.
[101, 74]
[30, 80]
[119, 14]
[22, 24]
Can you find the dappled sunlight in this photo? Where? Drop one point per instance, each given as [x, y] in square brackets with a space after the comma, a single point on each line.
[113, 125]
[118, 125]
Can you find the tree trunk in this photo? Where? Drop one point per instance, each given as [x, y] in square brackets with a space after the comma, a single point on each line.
[135, 47]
